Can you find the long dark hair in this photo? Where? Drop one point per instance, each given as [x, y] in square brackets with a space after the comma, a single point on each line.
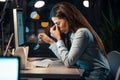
[75, 18]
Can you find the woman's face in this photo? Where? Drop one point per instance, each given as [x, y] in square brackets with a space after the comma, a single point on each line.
[62, 24]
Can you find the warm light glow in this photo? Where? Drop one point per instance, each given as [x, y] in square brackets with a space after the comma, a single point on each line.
[44, 24]
[35, 15]
[2, 0]
[39, 4]
[86, 3]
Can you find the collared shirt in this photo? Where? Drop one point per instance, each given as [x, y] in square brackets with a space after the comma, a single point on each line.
[83, 52]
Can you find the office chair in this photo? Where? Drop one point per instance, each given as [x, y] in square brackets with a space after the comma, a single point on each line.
[114, 61]
[118, 74]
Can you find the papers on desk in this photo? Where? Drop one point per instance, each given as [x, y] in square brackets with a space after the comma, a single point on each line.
[41, 63]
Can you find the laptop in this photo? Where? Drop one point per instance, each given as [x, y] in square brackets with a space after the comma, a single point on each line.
[9, 68]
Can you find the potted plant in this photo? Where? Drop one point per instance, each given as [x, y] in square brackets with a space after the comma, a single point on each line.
[110, 30]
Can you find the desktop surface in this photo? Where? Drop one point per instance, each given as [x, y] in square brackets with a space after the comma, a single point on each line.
[55, 69]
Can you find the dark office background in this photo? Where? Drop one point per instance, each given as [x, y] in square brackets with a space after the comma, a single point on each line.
[103, 15]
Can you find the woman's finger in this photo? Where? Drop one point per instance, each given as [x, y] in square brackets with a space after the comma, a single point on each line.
[39, 35]
[52, 29]
[56, 27]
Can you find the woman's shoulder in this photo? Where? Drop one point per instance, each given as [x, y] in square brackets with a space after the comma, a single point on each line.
[82, 30]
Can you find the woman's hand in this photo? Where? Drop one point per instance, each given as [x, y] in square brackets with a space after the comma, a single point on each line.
[45, 38]
[54, 30]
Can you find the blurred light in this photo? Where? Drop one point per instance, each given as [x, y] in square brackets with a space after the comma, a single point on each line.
[44, 24]
[2, 0]
[86, 3]
[35, 15]
[39, 4]
[27, 29]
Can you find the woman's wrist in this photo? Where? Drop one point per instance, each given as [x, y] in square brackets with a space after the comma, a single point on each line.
[59, 38]
[51, 41]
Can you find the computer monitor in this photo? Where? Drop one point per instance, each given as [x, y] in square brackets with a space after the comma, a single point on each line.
[9, 68]
[19, 29]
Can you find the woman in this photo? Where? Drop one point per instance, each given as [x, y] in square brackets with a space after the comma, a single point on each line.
[86, 51]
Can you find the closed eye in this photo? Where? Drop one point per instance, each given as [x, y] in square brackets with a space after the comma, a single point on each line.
[58, 23]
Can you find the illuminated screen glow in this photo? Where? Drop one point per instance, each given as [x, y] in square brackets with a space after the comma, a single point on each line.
[9, 68]
[20, 28]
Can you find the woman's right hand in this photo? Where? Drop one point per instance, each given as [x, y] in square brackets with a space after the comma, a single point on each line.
[55, 32]
[45, 38]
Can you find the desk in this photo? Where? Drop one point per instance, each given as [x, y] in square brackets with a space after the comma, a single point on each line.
[55, 70]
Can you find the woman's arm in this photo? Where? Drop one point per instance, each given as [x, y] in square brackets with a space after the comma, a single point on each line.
[78, 46]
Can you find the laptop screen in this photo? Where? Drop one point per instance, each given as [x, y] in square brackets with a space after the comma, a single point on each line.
[9, 68]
